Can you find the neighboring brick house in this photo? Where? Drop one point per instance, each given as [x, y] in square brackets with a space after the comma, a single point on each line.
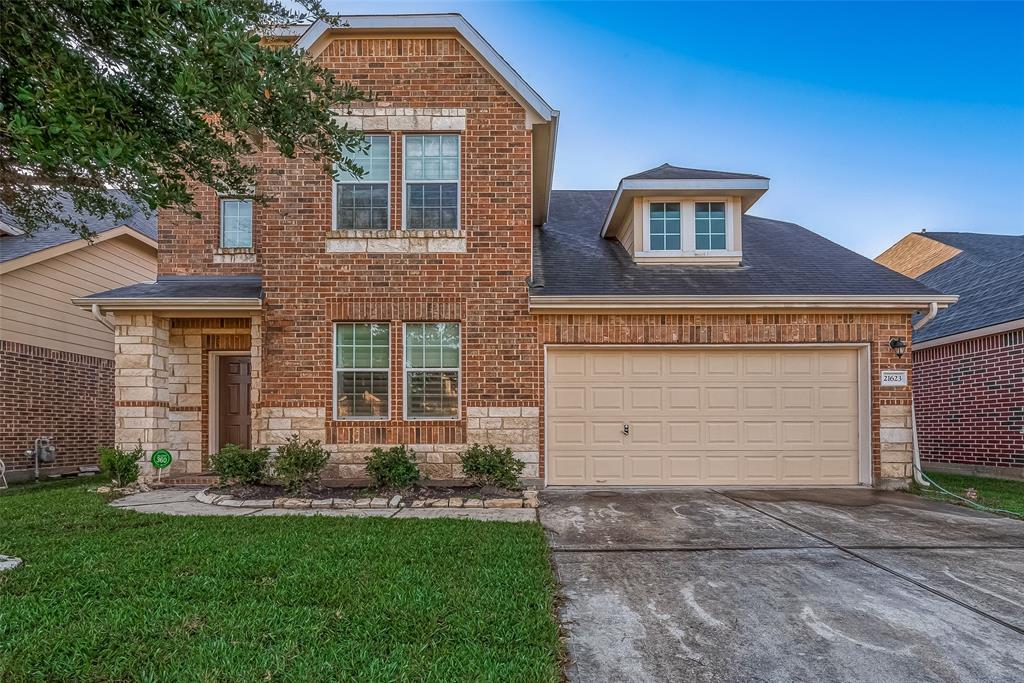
[651, 335]
[969, 359]
[57, 360]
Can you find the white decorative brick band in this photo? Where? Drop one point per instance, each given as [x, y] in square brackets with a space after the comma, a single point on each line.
[396, 241]
[404, 119]
[273, 426]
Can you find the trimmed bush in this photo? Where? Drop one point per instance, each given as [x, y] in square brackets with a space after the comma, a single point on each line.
[121, 466]
[298, 465]
[491, 466]
[237, 465]
[392, 468]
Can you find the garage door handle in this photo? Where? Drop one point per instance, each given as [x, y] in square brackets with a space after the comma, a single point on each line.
[625, 429]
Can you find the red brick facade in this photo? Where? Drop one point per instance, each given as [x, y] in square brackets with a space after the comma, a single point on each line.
[307, 289]
[969, 401]
[66, 397]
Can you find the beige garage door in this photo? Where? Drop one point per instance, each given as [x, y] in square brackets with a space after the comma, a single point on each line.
[701, 416]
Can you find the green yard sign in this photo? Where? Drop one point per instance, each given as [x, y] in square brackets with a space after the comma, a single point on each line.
[161, 458]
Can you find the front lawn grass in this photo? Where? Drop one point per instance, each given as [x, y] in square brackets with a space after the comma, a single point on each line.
[109, 594]
[1005, 494]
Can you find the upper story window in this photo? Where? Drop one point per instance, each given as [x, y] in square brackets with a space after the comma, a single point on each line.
[709, 226]
[362, 363]
[362, 203]
[432, 165]
[666, 226]
[236, 223]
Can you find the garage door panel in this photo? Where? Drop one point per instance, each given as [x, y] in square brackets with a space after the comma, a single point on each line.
[683, 398]
[703, 416]
[608, 398]
[722, 398]
[607, 365]
[646, 399]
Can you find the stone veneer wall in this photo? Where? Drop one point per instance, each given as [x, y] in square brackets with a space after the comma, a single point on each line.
[161, 383]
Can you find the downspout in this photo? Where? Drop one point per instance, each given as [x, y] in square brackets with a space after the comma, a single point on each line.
[96, 313]
[933, 309]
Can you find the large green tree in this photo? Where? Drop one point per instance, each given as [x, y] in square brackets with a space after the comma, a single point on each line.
[147, 96]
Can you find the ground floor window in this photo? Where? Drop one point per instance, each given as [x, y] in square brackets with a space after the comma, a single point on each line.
[362, 361]
[432, 370]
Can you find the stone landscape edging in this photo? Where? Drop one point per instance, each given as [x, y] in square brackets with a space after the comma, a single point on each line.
[527, 500]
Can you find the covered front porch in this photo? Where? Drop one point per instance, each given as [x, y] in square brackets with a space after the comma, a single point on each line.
[187, 366]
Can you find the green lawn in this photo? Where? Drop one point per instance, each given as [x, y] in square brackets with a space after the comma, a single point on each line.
[107, 594]
[1005, 494]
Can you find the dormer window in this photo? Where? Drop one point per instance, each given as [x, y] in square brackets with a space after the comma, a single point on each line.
[674, 215]
[709, 225]
[666, 226]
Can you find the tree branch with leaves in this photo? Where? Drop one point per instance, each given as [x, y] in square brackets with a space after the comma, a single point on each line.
[149, 97]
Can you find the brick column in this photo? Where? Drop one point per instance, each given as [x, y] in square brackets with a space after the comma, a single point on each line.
[896, 440]
[140, 383]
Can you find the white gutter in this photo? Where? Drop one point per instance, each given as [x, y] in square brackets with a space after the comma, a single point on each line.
[98, 314]
[632, 302]
[917, 451]
[933, 310]
[989, 330]
[173, 304]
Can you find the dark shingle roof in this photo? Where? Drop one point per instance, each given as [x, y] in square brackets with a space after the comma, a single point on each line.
[189, 287]
[670, 172]
[16, 246]
[988, 275]
[570, 258]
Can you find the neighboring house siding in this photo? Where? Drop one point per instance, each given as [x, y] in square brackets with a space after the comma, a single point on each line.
[66, 397]
[36, 308]
[969, 401]
[56, 360]
[306, 289]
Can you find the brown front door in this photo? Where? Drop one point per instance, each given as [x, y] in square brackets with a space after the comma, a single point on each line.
[234, 418]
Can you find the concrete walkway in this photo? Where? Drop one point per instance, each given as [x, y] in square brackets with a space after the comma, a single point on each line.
[181, 501]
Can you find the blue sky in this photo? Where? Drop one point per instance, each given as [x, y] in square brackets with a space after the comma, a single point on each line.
[872, 119]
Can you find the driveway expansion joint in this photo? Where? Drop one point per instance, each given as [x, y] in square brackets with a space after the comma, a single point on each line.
[851, 552]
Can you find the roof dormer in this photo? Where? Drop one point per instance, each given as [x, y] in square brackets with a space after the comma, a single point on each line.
[683, 215]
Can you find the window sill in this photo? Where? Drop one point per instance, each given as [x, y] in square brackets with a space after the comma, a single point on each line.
[396, 241]
[703, 258]
[235, 255]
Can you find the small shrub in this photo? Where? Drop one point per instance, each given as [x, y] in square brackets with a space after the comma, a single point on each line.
[491, 466]
[392, 468]
[237, 465]
[298, 465]
[121, 466]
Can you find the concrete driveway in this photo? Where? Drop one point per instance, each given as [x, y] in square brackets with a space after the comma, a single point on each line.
[798, 585]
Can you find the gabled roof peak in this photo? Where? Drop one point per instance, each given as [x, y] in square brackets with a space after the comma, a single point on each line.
[669, 172]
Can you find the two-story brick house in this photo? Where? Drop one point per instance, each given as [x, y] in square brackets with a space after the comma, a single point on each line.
[651, 335]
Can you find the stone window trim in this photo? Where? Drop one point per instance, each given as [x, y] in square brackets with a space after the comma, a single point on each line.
[234, 255]
[402, 119]
[396, 241]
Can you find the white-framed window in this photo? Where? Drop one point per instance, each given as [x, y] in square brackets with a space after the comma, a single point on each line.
[709, 226]
[364, 203]
[665, 226]
[362, 371]
[432, 371]
[431, 177]
[235, 223]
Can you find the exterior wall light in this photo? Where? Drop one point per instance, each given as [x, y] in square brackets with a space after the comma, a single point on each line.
[898, 345]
